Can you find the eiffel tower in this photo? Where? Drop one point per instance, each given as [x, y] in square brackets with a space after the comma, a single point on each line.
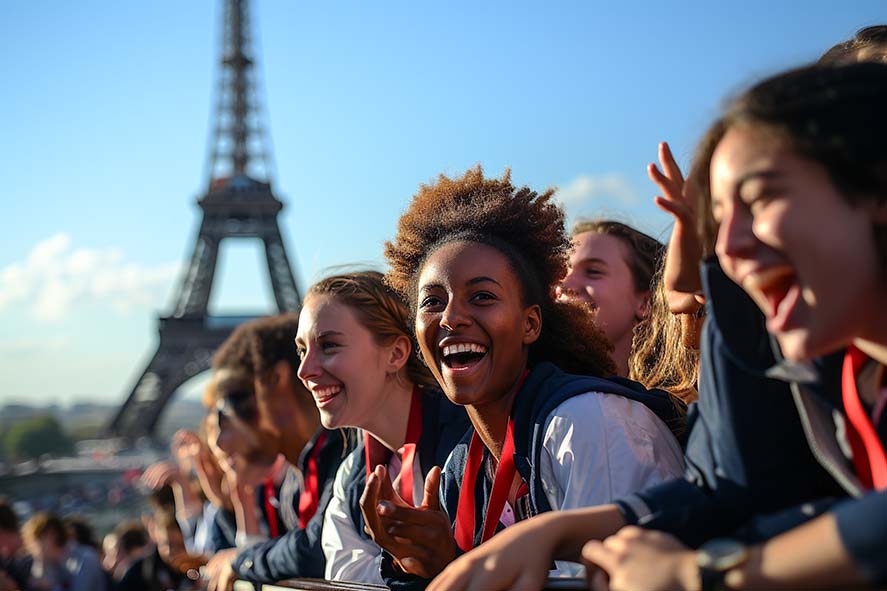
[239, 203]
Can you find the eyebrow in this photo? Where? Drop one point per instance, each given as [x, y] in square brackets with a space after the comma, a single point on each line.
[325, 333]
[592, 260]
[472, 281]
[482, 279]
[766, 174]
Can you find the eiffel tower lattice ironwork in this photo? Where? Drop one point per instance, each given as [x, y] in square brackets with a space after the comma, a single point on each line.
[239, 203]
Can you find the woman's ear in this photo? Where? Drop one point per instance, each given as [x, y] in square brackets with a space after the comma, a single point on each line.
[398, 354]
[644, 307]
[281, 374]
[532, 324]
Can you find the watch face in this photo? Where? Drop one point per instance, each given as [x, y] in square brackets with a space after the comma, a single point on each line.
[722, 554]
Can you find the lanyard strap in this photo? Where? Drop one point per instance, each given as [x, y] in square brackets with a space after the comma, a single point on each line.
[869, 457]
[375, 450]
[505, 472]
[270, 511]
[309, 498]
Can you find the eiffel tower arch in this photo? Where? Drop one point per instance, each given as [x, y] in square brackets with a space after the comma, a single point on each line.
[238, 203]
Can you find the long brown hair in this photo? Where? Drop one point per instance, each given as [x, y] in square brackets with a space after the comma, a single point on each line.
[659, 357]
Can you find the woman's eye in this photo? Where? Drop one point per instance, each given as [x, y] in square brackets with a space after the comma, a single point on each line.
[593, 272]
[483, 296]
[430, 302]
[329, 346]
[759, 202]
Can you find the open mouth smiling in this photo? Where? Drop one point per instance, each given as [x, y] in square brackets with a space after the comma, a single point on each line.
[462, 356]
[323, 394]
[777, 290]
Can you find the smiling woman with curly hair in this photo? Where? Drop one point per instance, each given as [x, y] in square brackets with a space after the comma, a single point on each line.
[478, 260]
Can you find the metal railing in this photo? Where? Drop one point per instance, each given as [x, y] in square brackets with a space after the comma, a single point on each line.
[322, 585]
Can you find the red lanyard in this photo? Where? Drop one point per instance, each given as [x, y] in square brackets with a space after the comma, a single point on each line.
[505, 471]
[869, 457]
[270, 511]
[375, 450]
[309, 499]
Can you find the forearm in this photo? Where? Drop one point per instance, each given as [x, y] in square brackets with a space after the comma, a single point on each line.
[187, 503]
[811, 555]
[573, 528]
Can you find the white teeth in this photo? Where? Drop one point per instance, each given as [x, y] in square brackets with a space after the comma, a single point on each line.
[463, 348]
[327, 391]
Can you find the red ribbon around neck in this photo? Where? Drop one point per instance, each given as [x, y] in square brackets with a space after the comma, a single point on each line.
[270, 510]
[505, 471]
[869, 457]
[376, 453]
[309, 499]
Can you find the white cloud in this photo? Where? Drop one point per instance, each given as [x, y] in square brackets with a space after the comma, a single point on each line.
[54, 277]
[606, 190]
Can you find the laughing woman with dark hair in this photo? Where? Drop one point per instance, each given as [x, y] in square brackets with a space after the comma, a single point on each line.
[479, 260]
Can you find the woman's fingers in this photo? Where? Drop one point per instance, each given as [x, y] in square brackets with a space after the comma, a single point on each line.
[671, 168]
[431, 498]
[676, 208]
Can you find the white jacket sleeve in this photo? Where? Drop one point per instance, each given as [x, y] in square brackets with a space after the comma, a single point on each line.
[600, 447]
[349, 557]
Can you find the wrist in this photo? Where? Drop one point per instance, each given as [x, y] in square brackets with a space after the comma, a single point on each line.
[688, 572]
[718, 560]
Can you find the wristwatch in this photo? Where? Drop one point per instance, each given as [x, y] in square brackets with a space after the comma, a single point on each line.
[715, 558]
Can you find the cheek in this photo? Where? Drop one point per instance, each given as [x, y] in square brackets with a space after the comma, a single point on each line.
[425, 336]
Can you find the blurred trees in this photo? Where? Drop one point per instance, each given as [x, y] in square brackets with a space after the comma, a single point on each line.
[34, 437]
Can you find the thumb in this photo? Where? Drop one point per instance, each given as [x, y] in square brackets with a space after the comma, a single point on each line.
[431, 498]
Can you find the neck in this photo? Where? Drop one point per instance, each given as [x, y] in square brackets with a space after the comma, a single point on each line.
[874, 342]
[304, 424]
[388, 424]
[621, 354]
[490, 419]
[875, 350]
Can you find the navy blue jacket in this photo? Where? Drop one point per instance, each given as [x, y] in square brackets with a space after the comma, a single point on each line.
[546, 388]
[298, 552]
[747, 455]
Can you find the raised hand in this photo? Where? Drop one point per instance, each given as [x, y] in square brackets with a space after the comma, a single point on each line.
[211, 479]
[159, 474]
[681, 275]
[419, 538]
[184, 447]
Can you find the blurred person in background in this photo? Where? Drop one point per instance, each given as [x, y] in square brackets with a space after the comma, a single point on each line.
[611, 270]
[15, 565]
[265, 350]
[122, 547]
[60, 563]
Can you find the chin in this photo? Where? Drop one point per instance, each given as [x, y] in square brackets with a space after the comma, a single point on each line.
[804, 344]
[329, 420]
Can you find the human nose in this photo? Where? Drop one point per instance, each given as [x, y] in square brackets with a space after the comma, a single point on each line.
[571, 285]
[308, 366]
[736, 238]
[453, 316]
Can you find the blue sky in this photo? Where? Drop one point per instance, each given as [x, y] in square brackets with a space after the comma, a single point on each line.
[106, 107]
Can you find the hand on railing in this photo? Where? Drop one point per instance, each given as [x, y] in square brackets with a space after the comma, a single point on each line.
[220, 571]
[419, 538]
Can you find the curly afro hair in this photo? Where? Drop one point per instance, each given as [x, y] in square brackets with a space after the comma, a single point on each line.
[526, 227]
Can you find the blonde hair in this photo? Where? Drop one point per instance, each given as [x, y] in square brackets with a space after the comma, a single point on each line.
[659, 358]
